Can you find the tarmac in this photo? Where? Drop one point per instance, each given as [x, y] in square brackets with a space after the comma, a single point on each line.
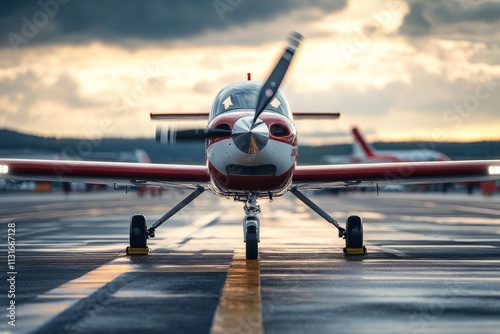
[433, 265]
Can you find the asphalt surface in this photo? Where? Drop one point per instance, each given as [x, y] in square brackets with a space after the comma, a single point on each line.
[433, 266]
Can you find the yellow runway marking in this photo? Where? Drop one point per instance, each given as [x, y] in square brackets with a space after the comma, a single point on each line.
[240, 309]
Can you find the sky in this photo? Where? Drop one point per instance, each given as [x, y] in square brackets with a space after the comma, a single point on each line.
[399, 70]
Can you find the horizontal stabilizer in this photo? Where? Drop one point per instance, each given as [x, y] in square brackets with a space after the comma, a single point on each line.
[171, 135]
[179, 116]
[316, 115]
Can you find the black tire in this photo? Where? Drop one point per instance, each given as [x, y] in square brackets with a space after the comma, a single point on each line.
[252, 244]
[354, 232]
[138, 232]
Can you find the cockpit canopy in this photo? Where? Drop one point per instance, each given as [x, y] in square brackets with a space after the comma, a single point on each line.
[243, 95]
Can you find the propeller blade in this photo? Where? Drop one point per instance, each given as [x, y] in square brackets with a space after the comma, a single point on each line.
[172, 135]
[272, 84]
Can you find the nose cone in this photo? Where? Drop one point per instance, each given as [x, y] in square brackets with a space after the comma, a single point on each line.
[250, 137]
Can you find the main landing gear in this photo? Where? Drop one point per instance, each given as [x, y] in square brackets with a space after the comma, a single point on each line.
[353, 233]
[139, 233]
[138, 236]
[354, 236]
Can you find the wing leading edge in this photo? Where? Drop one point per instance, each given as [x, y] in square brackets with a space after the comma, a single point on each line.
[331, 176]
[167, 176]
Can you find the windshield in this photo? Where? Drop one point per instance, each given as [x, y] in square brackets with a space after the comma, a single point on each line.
[244, 95]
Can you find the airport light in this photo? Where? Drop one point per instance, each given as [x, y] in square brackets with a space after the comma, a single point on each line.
[4, 169]
[494, 170]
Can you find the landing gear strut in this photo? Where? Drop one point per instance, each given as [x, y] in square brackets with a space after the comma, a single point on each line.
[251, 227]
[353, 233]
[139, 233]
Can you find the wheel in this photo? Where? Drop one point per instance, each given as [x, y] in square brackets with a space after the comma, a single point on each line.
[138, 232]
[354, 236]
[354, 232]
[252, 244]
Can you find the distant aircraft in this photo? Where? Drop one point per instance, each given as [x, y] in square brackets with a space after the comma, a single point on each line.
[251, 144]
[363, 152]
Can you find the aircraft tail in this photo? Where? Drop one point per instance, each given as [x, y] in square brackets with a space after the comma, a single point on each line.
[360, 146]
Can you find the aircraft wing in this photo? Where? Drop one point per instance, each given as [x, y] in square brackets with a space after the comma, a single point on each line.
[334, 176]
[120, 173]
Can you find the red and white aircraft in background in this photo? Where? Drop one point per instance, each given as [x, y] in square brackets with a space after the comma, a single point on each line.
[251, 143]
[363, 152]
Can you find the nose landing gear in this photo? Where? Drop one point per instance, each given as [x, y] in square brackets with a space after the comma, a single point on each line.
[251, 227]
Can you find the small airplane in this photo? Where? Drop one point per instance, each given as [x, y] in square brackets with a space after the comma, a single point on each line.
[363, 152]
[251, 143]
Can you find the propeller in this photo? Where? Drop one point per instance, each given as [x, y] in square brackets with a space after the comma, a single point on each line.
[171, 135]
[248, 133]
[272, 84]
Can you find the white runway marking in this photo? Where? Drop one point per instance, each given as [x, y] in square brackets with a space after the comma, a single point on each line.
[52, 303]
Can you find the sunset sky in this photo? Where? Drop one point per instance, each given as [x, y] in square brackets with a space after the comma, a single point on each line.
[400, 70]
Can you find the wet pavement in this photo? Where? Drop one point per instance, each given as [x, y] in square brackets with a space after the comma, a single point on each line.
[433, 266]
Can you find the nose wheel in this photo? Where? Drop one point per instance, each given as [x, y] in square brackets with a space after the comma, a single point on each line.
[251, 227]
[252, 243]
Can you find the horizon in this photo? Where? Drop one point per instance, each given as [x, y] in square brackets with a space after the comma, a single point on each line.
[399, 70]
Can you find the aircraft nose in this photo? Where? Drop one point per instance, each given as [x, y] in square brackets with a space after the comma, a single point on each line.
[250, 137]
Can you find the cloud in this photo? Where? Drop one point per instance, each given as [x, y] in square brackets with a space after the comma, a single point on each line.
[428, 106]
[155, 20]
[400, 83]
[26, 89]
[415, 22]
[451, 17]
[26, 100]
[475, 22]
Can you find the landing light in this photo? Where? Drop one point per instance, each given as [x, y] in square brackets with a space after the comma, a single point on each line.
[4, 169]
[494, 170]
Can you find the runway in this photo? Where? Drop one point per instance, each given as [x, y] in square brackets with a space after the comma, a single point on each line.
[433, 266]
